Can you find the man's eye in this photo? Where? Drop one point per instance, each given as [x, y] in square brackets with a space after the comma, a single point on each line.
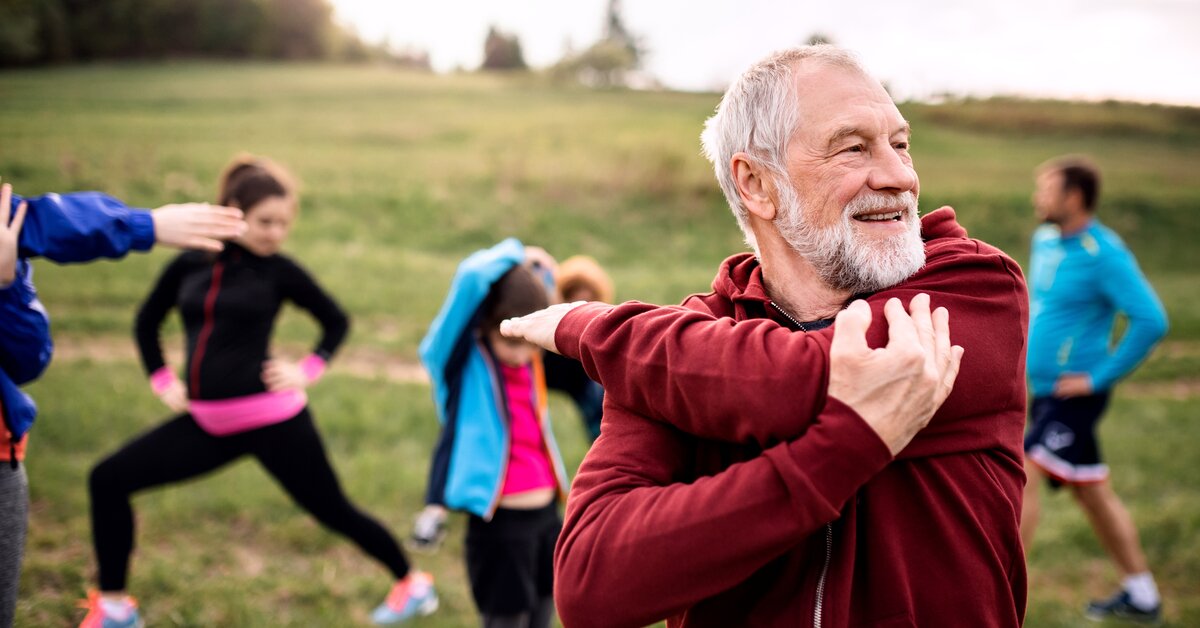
[857, 148]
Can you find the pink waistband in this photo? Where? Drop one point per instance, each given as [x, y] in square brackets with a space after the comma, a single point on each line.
[222, 417]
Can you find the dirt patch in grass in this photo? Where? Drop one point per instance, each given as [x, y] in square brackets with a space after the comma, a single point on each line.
[364, 362]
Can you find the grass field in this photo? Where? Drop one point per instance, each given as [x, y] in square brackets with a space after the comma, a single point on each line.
[403, 175]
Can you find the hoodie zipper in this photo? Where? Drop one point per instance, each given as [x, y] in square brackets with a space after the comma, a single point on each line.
[502, 408]
[818, 609]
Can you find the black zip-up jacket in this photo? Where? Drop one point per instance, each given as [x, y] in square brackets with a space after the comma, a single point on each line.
[229, 303]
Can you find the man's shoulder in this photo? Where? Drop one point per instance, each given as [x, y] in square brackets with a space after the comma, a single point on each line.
[1107, 241]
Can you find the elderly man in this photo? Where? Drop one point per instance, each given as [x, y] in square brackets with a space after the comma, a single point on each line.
[741, 477]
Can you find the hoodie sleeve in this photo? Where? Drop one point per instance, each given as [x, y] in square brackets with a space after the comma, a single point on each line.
[304, 291]
[699, 373]
[25, 346]
[1126, 288]
[83, 226]
[162, 298]
[472, 280]
[692, 538]
[756, 381]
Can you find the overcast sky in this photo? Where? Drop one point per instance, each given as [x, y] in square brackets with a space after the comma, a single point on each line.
[1146, 50]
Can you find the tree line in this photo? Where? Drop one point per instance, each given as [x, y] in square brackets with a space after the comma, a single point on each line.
[34, 32]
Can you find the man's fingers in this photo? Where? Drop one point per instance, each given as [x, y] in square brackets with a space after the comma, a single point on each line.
[956, 355]
[204, 244]
[6, 199]
[918, 309]
[941, 335]
[511, 328]
[901, 330]
[18, 218]
[850, 329]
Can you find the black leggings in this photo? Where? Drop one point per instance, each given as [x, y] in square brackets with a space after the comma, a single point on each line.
[290, 451]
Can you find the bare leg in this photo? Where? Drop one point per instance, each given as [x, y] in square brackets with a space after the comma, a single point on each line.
[1031, 509]
[1113, 525]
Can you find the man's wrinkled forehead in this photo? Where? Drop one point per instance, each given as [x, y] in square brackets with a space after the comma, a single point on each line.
[834, 101]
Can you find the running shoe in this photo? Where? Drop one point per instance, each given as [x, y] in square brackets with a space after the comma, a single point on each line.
[411, 597]
[97, 618]
[429, 531]
[1120, 606]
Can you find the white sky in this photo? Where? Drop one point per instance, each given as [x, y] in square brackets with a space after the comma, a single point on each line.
[1146, 50]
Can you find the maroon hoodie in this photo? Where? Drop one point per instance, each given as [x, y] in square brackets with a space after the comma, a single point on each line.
[727, 489]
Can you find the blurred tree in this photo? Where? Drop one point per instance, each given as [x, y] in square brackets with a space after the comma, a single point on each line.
[616, 33]
[40, 31]
[502, 51]
[19, 27]
[818, 38]
[609, 62]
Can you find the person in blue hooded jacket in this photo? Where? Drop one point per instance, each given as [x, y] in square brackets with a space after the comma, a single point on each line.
[496, 458]
[66, 228]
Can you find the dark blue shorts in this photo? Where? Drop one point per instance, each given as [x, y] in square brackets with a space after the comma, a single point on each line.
[1062, 438]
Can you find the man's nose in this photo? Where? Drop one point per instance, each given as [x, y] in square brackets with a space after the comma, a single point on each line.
[891, 173]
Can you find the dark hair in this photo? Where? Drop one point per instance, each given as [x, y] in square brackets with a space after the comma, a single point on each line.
[517, 293]
[248, 180]
[1078, 173]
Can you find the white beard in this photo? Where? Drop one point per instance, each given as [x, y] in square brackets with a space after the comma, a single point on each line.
[842, 261]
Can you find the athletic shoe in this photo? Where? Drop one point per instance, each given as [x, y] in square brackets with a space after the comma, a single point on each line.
[409, 598]
[429, 531]
[1119, 606]
[96, 617]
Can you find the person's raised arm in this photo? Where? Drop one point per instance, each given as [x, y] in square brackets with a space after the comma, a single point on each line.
[83, 226]
[717, 379]
[25, 346]
[757, 381]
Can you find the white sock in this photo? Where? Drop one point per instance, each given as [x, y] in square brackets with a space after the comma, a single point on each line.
[1143, 593]
[118, 609]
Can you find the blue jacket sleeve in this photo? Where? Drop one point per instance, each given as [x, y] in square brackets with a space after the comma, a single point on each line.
[82, 226]
[25, 346]
[472, 281]
[1127, 289]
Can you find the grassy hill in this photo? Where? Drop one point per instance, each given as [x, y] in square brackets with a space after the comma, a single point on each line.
[403, 175]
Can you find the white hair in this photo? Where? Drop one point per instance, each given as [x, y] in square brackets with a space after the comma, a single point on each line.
[758, 115]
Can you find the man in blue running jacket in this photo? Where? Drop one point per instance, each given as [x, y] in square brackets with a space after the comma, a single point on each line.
[1081, 275]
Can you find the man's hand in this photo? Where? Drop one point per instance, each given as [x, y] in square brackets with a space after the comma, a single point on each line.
[539, 327]
[197, 225]
[283, 375]
[1073, 385]
[10, 236]
[896, 389]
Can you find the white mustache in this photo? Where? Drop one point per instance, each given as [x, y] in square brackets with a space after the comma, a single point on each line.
[872, 201]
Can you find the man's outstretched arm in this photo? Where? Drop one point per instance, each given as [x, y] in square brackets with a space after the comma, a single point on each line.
[83, 226]
[758, 382]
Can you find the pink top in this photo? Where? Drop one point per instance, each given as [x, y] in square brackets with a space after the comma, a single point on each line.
[528, 461]
[223, 417]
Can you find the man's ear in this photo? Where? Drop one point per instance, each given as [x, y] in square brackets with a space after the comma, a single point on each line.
[755, 186]
[1073, 199]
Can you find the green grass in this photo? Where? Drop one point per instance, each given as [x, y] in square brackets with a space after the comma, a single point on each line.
[403, 174]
